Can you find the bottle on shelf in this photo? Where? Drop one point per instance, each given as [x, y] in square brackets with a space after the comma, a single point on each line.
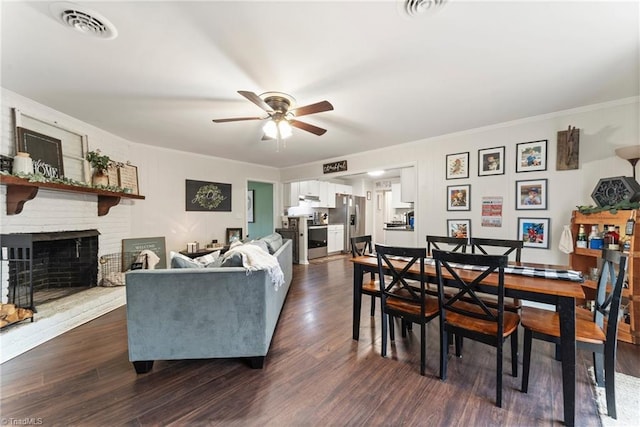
[582, 237]
[628, 229]
[595, 241]
[611, 238]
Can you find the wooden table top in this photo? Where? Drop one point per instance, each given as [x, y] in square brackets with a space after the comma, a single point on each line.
[539, 285]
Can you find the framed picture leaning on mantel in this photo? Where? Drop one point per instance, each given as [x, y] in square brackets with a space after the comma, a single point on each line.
[45, 151]
[128, 178]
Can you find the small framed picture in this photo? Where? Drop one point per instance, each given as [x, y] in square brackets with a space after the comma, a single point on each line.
[459, 228]
[531, 194]
[531, 156]
[459, 197]
[233, 235]
[534, 232]
[491, 161]
[250, 205]
[458, 165]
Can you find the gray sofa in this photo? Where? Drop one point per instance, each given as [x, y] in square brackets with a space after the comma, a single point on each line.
[189, 313]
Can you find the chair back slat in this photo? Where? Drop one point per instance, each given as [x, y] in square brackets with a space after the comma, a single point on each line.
[474, 305]
[609, 292]
[396, 285]
[456, 244]
[360, 245]
[512, 246]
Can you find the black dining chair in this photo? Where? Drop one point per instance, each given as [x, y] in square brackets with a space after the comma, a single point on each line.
[598, 334]
[455, 244]
[500, 247]
[360, 246]
[404, 295]
[465, 314]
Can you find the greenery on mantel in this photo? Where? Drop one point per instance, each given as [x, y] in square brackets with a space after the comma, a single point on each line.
[38, 177]
[623, 205]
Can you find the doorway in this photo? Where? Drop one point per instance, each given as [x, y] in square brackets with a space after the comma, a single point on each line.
[259, 209]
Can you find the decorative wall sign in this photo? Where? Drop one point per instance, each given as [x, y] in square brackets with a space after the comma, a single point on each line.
[531, 156]
[250, 205]
[334, 167]
[459, 197]
[207, 196]
[113, 175]
[492, 211]
[457, 165]
[534, 232]
[568, 156]
[531, 194]
[45, 151]
[491, 161]
[131, 248]
[128, 178]
[459, 228]
[611, 191]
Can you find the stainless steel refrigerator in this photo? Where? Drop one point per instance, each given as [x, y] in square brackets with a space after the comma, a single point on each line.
[350, 211]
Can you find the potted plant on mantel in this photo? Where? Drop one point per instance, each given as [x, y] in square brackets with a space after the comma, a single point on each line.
[100, 164]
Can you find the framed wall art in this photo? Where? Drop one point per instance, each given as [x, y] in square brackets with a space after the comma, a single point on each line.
[250, 205]
[207, 196]
[233, 235]
[458, 165]
[534, 232]
[531, 194]
[531, 156]
[45, 151]
[459, 197]
[128, 178]
[491, 161]
[459, 228]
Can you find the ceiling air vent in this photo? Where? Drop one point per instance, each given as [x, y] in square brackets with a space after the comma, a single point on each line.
[417, 7]
[83, 20]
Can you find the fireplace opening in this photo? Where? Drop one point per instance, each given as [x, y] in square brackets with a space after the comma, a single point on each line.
[60, 264]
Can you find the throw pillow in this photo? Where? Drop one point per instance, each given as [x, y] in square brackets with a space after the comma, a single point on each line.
[234, 260]
[208, 258]
[182, 261]
[273, 241]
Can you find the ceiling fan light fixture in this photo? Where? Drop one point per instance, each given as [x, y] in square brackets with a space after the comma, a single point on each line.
[285, 129]
[270, 129]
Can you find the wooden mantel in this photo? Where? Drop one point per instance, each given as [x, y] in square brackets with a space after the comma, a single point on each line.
[20, 191]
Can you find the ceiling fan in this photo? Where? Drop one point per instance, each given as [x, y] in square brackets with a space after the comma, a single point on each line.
[281, 114]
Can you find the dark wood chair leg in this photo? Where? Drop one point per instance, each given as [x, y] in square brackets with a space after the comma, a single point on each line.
[599, 368]
[444, 351]
[256, 362]
[526, 360]
[423, 350]
[499, 356]
[514, 354]
[373, 306]
[458, 340]
[383, 347]
[143, 366]
[610, 383]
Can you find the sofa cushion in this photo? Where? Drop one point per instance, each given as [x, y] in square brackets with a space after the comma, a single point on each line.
[259, 243]
[182, 261]
[273, 241]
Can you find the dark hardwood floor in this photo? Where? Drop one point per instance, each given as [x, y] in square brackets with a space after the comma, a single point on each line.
[314, 374]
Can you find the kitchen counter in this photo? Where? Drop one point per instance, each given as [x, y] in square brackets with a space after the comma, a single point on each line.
[402, 228]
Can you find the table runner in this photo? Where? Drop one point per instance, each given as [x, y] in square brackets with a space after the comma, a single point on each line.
[547, 273]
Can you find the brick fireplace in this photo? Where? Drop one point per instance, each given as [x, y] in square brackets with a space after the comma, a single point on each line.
[56, 264]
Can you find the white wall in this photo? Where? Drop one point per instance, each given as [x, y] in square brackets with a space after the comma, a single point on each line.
[602, 129]
[161, 174]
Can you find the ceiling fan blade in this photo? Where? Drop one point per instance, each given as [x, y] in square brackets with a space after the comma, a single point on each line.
[308, 127]
[256, 100]
[236, 119]
[318, 107]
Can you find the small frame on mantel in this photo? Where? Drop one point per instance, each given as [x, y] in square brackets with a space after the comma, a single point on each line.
[128, 178]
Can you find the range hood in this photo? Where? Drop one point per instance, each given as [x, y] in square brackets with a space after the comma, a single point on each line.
[309, 198]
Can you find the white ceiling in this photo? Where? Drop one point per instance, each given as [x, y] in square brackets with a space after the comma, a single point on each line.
[392, 79]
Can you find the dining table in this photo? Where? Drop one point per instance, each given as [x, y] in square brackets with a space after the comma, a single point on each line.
[560, 293]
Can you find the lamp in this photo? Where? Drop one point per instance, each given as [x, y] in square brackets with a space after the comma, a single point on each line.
[277, 129]
[630, 153]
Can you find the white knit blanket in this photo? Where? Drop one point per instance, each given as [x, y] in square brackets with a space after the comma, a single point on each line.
[255, 258]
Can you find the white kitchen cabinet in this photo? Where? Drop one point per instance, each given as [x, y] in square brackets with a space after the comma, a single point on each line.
[396, 203]
[335, 238]
[310, 188]
[344, 189]
[403, 238]
[327, 194]
[290, 192]
[408, 185]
